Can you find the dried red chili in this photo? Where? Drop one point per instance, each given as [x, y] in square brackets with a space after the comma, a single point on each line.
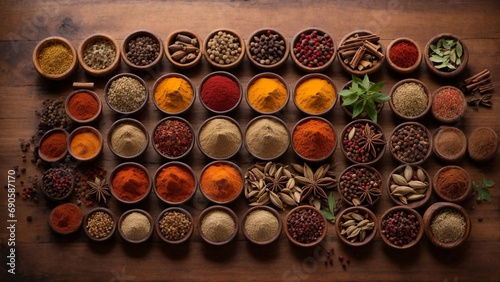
[403, 54]
[173, 138]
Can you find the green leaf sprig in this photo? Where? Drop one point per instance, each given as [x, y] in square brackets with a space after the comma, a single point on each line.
[446, 54]
[363, 97]
[330, 212]
[482, 189]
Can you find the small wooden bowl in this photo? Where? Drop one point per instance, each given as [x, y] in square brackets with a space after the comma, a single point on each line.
[253, 58]
[108, 86]
[168, 76]
[116, 170]
[165, 155]
[395, 67]
[315, 76]
[402, 115]
[334, 133]
[64, 197]
[90, 40]
[172, 38]
[409, 211]
[49, 41]
[216, 65]
[458, 116]
[228, 75]
[75, 228]
[134, 35]
[85, 129]
[268, 75]
[299, 64]
[179, 164]
[411, 204]
[265, 208]
[133, 122]
[75, 119]
[356, 72]
[124, 215]
[44, 137]
[256, 154]
[348, 109]
[228, 163]
[357, 167]
[344, 137]
[290, 236]
[180, 210]
[445, 74]
[476, 138]
[443, 155]
[460, 199]
[437, 208]
[86, 219]
[204, 151]
[361, 210]
[391, 144]
[223, 209]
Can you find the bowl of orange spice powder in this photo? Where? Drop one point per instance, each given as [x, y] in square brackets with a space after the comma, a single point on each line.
[83, 106]
[175, 183]
[85, 143]
[314, 139]
[130, 183]
[221, 182]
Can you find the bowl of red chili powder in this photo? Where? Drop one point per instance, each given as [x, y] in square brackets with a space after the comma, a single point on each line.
[130, 183]
[404, 55]
[452, 184]
[220, 92]
[448, 104]
[314, 139]
[65, 218]
[175, 183]
[53, 145]
[83, 106]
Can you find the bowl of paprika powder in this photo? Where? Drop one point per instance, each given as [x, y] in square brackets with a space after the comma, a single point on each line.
[221, 182]
[65, 218]
[220, 92]
[130, 183]
[83, 106]
[403, 55]
[314, 139]
[53, 145]
[175, 183]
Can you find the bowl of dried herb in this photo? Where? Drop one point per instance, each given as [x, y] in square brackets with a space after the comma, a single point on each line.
[55, 58]
[446, 55]
[447, 225]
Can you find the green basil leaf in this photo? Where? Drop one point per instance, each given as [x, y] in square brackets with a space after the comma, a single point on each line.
[345, 93]
[357, 109]
[366, 82]
[329, 216]
[331, 202]
[380, 98]
[474, 185]
[371, 110]
[459, 49]
[484, 194]
[356, 80]
[488, 183]
[349, 100]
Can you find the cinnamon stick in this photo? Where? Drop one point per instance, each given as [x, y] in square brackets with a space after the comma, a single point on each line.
[357, 57]
[83, 85]
[476, 84]
[472, 78]
[372, 48]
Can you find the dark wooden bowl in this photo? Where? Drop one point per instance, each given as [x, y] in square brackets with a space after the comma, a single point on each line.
[398, 69]
[173, 75]
[270, 75]
[55, 40]
[303, 67]
[277, 154]
[390, 142]
[116, 170]
[86, 219]
[99, 72]
[180, 210]
[76, 227]
[311, 76]
[345, 134]
[410, 211]
[172, 38]
[359, 166]
[44, 137]
[134, 122]
[161, 153]
[224, 209]
[435, 209]
[84, 129]
[356, 72]
[334, 133]
[108, 85]
[224, 66]
[361, 210]
[440, 195]
[402, 115]
[133, 35]
[300, 244]
[476, 154]
[202, 189]
[266, 208]
[151, 228]
[207, 154]
[228, 75]
[176, 163]
[257, 63]
[438, 151]
[82, 121]
[411, 204]
[457, 117]
[446, 74]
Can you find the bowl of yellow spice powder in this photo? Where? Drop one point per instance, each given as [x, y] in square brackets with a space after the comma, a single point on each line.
[85, 143]
[55, 58]
[99, 54]
[315, 94]
[173, 93]
[267, 93]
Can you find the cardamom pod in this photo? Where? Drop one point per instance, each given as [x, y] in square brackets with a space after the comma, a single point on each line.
[177, 55]
[175, 47]
[351, 133]
[403, 190]
[421, 174]
[356, 216]
[415, 197]
[275, 199]
[399, 179]
[408, 173]
[417, 184]
[403, 200]
[349, 222]
[354, 233]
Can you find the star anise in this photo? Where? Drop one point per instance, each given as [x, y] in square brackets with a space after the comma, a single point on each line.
[371, 140]
[366, 195]
[315, 183]
[99, 188]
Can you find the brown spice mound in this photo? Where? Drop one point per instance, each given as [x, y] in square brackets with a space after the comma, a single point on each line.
[452, 183]
[483, 144]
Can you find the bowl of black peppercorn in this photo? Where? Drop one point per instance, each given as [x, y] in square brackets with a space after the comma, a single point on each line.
[267, 49]
[142, 50]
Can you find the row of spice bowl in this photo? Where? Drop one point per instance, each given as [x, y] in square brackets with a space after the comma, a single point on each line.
[311, 50]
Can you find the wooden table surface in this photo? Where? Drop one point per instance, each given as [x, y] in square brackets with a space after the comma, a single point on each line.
[41, 255]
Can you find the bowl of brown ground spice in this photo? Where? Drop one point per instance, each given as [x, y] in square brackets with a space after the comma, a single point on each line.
[261, 225]
[218, 225]
[99, 54]
[450, 144]
[410, 99]
[452, 184]
[55, 58]
[482, 144]
[447, 225]
[128, 138]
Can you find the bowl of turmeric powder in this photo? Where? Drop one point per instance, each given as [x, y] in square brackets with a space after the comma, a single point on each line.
[267, 93]
[85, 143]
[315, 94]
[173, 93]
[55, 58]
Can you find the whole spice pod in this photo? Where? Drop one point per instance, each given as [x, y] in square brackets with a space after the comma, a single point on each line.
[360, 185]
[410, 186]
[267, 49]
[183, 49]
[363, 141]
[313, 50]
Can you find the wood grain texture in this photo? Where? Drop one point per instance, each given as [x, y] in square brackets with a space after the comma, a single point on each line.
[44, 256]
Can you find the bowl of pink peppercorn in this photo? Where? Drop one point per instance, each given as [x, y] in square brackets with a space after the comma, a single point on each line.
[313, 50]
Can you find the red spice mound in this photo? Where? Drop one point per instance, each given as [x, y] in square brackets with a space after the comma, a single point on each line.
[220, 93]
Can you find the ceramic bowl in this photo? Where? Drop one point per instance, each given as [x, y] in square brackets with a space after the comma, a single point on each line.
[118, 111]
[341, 54]
[128, 212]
[439, 142]
[298, 38]
[175, 186]
[268, 96]
[86, 220]
[347, 196]
[62, 198]
[348, 109]
[141, 33]
[222, 180]
[44, 137]
[175, 98]
[459, 199]
[407, 211]
[85, 129]
[71, 115]
[220, 134]
[265, 140]
[249, 237]
[119, 168]
[309, 159]
[207, 49]
[347, 141]
[224, 209]
[282, 51]
[212, 109]
[394, 143]
[430, 65]
[401, 114]
[186, 42]
[179, 210]
[164, 154]
[404, 70]
[113, 65]
[479, 151]
[314, 94]
[47, 42]
[134, 123]
[345, 216]
[435, 210]
[457, 116]
[414, 204]
[53, 217]
[289, 233]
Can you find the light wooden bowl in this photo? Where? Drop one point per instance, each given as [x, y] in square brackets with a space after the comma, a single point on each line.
[44, 137]
[270, 75]
[116, 170]
[266, 208]
[345, 133]
[179, 164]
[439, 151]
[83, 129]
[411, 204]
[356, 72]
[217, 65]
[99, 72]
[180, 210]
[391, 145]
[293, 240]
[311, 76]
[361, 210]
[400, 114]
[86, 219]
[172, 38]
[254, 60]
[299, 64]
[124, 215]
[334, 133]
[137, 124]
[224, 209]
[83, 121]
[458, 116]
[133, 35]
[54, 40]
[468, 189]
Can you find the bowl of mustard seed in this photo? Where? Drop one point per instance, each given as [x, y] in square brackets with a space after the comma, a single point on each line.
[99, 54]
[55, 58]
[99, 224]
